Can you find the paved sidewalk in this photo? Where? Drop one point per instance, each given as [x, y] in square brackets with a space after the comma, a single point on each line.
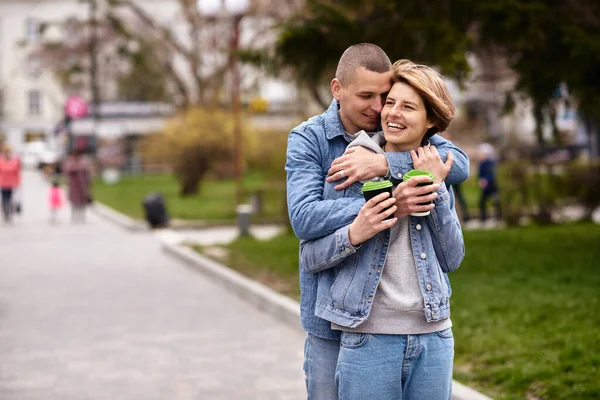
[96, 312]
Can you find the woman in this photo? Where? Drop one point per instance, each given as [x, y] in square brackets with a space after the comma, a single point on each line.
[384, 283]
[10, 179]
[77, 171]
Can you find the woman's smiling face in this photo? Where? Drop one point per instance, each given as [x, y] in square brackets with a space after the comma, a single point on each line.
[404, 118]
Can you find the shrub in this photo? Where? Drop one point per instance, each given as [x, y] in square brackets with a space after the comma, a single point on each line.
[193, 143]
[581, 183]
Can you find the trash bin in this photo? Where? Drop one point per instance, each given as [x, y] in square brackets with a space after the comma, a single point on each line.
[155, 210]
[244, 211]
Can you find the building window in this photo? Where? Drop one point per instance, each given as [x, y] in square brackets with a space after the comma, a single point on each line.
[32, 30]
[35, 102]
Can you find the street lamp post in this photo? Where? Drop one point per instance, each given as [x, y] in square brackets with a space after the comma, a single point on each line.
[234, 9]
[93, 49]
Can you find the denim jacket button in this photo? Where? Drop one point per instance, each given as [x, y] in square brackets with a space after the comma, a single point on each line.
[423, 256]
[428, 287]
[418, 227]
[347, 249]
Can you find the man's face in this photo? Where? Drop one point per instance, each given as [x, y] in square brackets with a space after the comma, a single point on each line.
[361, 101]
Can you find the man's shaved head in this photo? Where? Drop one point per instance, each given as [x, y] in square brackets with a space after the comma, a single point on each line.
[365, 55]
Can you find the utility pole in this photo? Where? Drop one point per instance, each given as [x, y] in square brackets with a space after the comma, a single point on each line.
[236, 108]
[93, 17]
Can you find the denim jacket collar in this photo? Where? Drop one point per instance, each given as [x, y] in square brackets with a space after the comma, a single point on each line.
[333, 121]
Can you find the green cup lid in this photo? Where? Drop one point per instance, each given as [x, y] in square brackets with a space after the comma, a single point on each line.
[416, 172]
[368, 186]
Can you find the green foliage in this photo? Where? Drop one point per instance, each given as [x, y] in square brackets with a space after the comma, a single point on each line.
[528, 190]
[145, 80]
[514, 191]
[581, 183]
[194, 143]
[264, 151]
[546, 42]
[431, 32]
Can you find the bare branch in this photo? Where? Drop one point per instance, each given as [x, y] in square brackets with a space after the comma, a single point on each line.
[164, 33]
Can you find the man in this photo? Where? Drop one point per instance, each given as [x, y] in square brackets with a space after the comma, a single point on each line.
[317, 152]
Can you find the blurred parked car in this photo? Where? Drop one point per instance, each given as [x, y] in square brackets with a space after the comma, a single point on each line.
[38, 154]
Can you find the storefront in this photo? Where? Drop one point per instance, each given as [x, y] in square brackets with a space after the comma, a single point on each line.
[114, 136]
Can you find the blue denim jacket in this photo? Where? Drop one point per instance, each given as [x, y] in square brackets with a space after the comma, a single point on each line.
[349, 276]
[312, 147]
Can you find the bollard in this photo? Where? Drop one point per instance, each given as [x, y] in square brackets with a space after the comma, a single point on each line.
[257, 202]
[244, 211]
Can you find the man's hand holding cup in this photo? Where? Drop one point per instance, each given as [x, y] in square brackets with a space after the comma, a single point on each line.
[376, 215]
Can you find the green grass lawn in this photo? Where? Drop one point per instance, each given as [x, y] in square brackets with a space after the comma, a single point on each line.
[215, 202]
[524, 307]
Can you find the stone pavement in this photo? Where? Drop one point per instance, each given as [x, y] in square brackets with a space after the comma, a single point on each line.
[96, 312]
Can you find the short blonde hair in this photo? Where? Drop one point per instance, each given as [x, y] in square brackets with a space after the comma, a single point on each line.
[430, 85]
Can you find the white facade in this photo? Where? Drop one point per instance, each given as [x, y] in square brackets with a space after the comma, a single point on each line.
[31, 99]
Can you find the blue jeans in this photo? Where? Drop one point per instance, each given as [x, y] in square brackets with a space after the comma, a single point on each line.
[398, 367]
[320, 359]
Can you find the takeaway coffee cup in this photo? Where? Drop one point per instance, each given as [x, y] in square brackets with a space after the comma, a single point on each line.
[418, 172]
[372, 189]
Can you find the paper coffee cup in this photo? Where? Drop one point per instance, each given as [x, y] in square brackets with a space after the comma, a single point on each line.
[372, 189]
[418, 172]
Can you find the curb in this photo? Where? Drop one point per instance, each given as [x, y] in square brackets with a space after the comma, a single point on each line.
[120, 219]
[266, 299]
[276, 304]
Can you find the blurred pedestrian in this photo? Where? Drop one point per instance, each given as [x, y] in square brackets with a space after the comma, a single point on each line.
[462, 202]
[77, 171]
[55, 200]
[458, 194]
[10, 180]
[487, 180]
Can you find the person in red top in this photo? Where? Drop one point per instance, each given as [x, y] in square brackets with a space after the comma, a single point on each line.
[10, 179]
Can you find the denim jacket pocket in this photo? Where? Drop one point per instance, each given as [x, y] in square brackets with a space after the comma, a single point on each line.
[344, 275]
[354, 190]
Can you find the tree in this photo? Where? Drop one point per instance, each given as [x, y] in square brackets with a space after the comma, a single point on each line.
[193, 143]
[545, 42]
[431, 32]
[145, 80]
[190, 57]
[197, 62]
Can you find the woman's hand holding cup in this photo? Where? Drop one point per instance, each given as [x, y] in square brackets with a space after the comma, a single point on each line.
[373, 218]
[414, 199]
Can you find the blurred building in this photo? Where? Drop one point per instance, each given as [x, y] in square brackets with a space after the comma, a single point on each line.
[32, 97]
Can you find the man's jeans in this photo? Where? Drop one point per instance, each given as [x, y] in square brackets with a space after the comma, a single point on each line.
[320, 359]
[386, 367]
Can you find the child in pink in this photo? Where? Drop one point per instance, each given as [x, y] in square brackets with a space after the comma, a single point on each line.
[55, 199]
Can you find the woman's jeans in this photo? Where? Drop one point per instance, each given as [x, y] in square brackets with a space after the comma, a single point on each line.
[398, 367]
[320, 359]
[7, 203]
